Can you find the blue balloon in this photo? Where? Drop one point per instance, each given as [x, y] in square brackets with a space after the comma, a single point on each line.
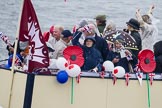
[62, 77]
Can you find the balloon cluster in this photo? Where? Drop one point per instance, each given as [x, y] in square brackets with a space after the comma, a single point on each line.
[118, 71]
[66, 69]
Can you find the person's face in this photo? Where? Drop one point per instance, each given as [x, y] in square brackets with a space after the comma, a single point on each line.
[89, 43]
[118, 45]
[97, 22]
[56, 33]
[128, 27]
[86, 33]
[69, 39]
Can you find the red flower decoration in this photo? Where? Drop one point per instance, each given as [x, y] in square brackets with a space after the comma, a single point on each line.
[146, 61]
[74, 54]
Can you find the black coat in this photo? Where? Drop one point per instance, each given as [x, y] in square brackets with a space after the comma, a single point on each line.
[122, 61]
[137, 38]
[92, 57]
[102, 46]
[158, 56]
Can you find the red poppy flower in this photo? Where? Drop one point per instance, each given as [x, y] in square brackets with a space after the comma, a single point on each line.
[74, 54]
[146, 61]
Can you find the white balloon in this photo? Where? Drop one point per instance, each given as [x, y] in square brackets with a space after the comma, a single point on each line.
[119, 71]
[73, 70]
[108, 65]
[61, 62]
[52, 64]
[1, 106]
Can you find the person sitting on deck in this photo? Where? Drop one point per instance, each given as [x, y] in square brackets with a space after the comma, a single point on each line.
[100, 44]
[149, 30]
[133, 26]
[158, 56]
[121, 56]
[92, 56]
[55, 36]
[101, 23]
[65, 41]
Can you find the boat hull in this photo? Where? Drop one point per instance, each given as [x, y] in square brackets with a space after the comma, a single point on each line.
[42, 91]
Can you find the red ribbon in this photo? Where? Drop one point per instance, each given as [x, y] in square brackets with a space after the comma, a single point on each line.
[139, 75]
[151, 76]
[114, 79]
[78, 78]
[102, 74]
[127, 76]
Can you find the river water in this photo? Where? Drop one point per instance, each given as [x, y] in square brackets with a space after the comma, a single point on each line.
[70, 12]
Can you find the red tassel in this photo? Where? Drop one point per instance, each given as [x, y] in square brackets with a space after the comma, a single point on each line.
[151, 76]
[78, 78]
[127, 76]
[114, 79]
[102, 74]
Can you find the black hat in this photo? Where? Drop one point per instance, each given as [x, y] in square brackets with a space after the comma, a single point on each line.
[66, 33]
[134, 23]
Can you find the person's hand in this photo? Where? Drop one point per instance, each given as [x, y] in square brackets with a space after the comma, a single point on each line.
[137, 10]
[115, 60]
[94, 70]
[128, 53]
[81, 29]
[22, 53]
[126, 30]
[152, 7]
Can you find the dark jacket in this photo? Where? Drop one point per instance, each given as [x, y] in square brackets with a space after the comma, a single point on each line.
[102, 46]
[122, 61]
[92, 57]
[158, 56]
[137, 37]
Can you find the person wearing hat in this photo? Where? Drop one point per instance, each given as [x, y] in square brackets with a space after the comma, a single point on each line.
[101, 23]
[121, 56]
[92, 57]
[133, 27]
[64, 41]
[101, 44]
[149, 30]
